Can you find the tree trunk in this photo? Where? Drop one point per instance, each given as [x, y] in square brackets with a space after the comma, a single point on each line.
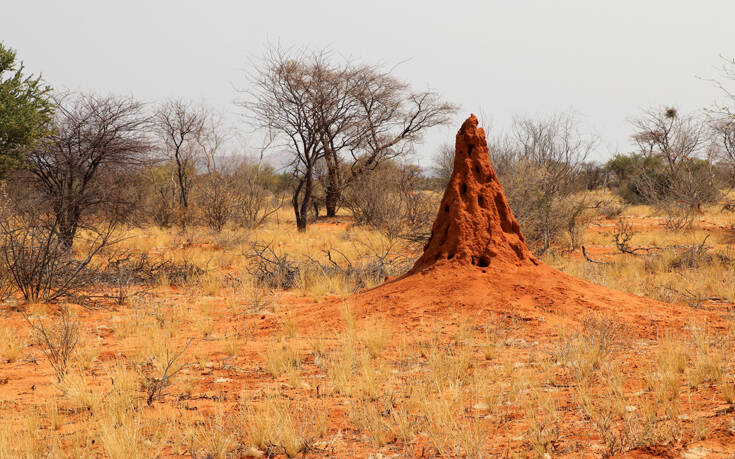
[333, 188]
[67, 221]
[301, 209]
[331, 200]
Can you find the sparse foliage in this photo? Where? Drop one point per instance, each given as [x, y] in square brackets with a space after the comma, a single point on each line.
[26, 110]
[538, 166]
[58, 341]
[37, 262]
[92, 138]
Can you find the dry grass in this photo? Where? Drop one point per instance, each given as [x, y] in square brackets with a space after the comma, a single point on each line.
[280, 359]
[454, 389]
[11, 345]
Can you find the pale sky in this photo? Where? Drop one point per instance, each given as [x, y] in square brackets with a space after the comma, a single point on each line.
[604, 60]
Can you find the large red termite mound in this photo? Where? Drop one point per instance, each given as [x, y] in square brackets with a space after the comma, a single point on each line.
[477, 263]
[475, 224]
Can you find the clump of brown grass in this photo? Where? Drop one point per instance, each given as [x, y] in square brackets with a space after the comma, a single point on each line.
[214, 437]
[710, 356]
[278, 426]
[604, 409]
[11, 344]
[543, 422]
[280, 360]
[376, 337]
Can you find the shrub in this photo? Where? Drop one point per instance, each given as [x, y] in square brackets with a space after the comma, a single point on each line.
[391, 199]
[37, 260]
[57, 341]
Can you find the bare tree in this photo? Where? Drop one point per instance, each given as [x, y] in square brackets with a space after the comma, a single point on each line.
[673, 136]
[538, 165]
[91, 137]
[443, 164]
[722, 120]
[687, 181]
[383, 120]
[726, 109]
[180, 125]
[337, 114]
[723, 129]
[282, 102]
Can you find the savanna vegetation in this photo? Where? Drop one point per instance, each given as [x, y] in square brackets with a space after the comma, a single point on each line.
[156, 275]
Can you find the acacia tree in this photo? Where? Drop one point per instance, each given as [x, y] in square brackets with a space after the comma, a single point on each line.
[283, 101]
[180, 126]
[350, 118]
[25, 110]
[674, 137]
[686, 181]
[91, 137]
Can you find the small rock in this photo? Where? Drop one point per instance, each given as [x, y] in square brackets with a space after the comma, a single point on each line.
[253, 452]
[696, 453]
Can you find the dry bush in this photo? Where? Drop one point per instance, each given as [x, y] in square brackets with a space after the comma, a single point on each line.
[539, 166]
[58, 341]
[158, 195]
[390, 199]
[216, 199]
[125, 269]
[37, 260]
[272, 269]
[162, 367]
[254, 201]
[678, 195]
[694, 256]
[611, 208]
[238, 193]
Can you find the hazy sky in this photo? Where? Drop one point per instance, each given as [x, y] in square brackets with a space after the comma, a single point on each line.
[604, 60]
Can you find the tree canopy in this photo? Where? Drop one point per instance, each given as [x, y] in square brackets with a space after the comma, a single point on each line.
[25, 109]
